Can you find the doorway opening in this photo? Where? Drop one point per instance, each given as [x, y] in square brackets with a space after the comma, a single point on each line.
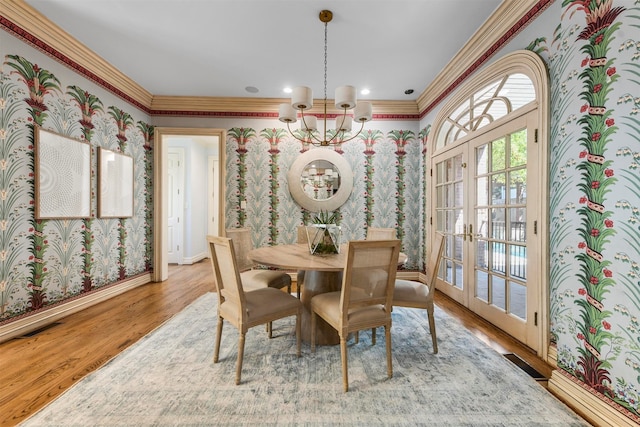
[197, 215]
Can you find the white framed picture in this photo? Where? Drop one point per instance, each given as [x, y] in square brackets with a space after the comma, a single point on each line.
[62, 176]
[115, 184]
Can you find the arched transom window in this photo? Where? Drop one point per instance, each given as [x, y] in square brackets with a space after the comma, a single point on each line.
[494, 101]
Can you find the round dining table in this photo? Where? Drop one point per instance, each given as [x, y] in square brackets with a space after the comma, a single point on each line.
[323, 273]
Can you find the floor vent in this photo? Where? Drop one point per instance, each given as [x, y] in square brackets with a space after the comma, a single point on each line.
[37, 331]
[525, 367]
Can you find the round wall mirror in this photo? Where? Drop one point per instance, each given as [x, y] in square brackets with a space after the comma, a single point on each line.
[320, 179]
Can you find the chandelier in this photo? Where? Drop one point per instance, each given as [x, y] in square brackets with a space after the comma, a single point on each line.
[345, 100]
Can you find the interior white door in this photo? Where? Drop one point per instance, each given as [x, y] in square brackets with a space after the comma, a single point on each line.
[175, 185]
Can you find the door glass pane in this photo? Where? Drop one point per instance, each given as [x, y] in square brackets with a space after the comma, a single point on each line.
[482, 190]
[518, 262]
[518, 148]
[482, 258]
[457, 167]
[518, 300]
[498, 155]
[498, 294]
[440, 173]
[517, 224]
[440, 225]
[497, 225]
[482, 223]
[459, 282]
[518, 186]
[482, 159]
[458, 193]
[482, 285]
[498, 257]
[498, 195]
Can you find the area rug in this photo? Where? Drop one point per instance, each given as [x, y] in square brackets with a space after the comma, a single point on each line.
[168, 379]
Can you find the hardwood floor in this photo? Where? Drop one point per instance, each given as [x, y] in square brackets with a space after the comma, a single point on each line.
[36, 369]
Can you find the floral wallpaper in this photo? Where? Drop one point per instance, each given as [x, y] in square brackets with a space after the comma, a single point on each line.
[45, 262]
[594, 199]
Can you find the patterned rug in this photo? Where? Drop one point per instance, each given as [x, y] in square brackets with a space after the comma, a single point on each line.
[168, 378]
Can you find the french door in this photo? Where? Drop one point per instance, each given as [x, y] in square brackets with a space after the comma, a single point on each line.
[484, 204]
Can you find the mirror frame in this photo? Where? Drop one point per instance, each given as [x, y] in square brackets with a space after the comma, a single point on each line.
[335, 201]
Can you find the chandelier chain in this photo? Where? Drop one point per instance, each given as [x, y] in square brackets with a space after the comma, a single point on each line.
[325, 63]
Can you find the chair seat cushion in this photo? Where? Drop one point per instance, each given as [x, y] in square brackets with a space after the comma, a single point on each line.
[408, 293]
[254, 279]
[327, 306]
[262, 305]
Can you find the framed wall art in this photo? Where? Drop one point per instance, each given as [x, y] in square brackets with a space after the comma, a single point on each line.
[115, 184]
[62, 176]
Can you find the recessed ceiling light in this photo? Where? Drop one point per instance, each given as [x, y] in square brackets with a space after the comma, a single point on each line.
[365, 92]
[251, 89]
[287, 90]
[408, 91]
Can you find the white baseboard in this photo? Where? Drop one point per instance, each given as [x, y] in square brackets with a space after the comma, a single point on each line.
[195, 259]
[38, 320]
[588, 405]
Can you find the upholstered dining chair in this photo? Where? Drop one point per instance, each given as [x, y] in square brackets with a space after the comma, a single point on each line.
[364, 302]
[408, 293]
[245, 310]
[377, 233]
[253, 278]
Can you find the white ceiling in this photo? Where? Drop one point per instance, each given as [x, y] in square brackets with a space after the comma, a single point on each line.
[220, 47]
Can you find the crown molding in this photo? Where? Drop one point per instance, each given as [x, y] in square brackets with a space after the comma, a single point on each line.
[266, 107]
[501, 26]
[51, 37]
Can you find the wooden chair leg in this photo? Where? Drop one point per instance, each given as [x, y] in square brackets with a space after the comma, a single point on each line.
[345, 369]
[240, 357]
[373, 336]
[299, 332]
[216, 352]
[313, 331]
[432, 330]
[387, 336]
[270, 329]
[357, 337]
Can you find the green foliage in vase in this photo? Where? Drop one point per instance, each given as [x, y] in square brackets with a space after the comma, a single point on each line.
[325, 217]
[327, 243]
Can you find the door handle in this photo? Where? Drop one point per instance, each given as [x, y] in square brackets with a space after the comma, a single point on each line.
[471, 232]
